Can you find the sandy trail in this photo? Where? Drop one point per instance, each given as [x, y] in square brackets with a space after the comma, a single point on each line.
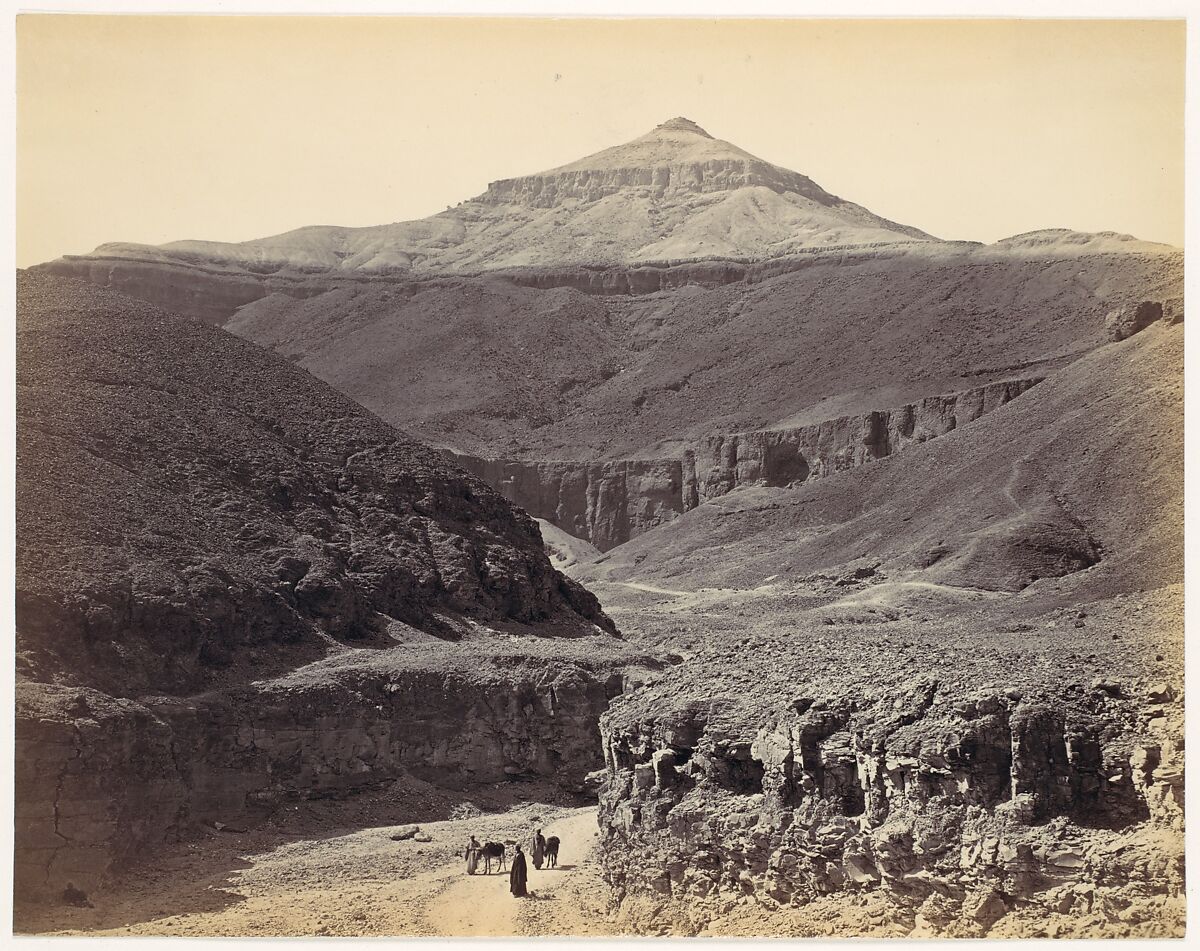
[361, 883]
[481, 905]
[651, 589]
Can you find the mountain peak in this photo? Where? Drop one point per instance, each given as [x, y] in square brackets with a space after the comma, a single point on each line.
[674, 193]
[677, 141]
[680, 124]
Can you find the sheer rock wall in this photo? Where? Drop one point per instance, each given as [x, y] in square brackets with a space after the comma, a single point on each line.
[969, 814]
[101, 779]
[609, 503]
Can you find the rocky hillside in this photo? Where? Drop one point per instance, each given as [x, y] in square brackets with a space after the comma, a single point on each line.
[604, 290]
[1031, 491]
[234, 587]
[517, 372]
[608, 399]
[186, 498]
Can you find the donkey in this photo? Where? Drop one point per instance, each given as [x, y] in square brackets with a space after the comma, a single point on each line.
[493, 850]
[552, 852]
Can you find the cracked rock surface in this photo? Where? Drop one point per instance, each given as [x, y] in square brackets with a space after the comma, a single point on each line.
[961, 776]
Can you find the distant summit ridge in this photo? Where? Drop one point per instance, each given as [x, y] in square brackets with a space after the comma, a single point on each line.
[673, 195]
[674, 161]
[675, 154]
[680, 124]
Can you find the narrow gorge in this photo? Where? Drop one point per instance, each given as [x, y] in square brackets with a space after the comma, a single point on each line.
[104, 779]
[608, 503]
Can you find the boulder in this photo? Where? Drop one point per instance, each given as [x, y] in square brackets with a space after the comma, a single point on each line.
[1110, 687]
[1160, 692]
[1124, 322]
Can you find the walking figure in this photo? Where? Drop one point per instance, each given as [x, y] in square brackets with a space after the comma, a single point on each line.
[518, 875]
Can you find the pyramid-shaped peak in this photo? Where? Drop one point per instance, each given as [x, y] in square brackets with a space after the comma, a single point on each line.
[680, 124]
[676, 142]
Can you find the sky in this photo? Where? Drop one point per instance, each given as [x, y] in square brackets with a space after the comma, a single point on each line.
[152, 129]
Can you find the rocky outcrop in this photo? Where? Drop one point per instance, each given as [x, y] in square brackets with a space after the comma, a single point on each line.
[609, 503]
[969, 814]
[549, 190]
[100, 779]
[1126, 321]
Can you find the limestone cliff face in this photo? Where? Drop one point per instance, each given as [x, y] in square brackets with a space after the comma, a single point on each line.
[606, 502]
[99, 778]
[786, 456]
[960, 813]
[548, 190]
[609, 503]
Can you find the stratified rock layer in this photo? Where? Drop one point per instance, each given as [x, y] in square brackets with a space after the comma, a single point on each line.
[608, 503]
[960, 809]
[99, 779]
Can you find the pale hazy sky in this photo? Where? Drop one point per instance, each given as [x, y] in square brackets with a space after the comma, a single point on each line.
[152, 129]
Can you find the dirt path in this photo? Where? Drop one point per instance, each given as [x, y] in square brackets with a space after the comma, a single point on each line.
[481, 905]
[651, 589]
[362, 883]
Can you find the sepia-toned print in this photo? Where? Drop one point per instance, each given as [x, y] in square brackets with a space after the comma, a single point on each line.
[765, 521]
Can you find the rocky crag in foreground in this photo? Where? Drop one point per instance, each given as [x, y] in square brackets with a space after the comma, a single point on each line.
[942, 694]
[236, 588]
[998, 812]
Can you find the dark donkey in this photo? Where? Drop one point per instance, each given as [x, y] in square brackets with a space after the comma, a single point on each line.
[490, 851]
[552, 852]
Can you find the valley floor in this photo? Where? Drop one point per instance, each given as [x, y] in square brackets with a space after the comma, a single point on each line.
[360, 883]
